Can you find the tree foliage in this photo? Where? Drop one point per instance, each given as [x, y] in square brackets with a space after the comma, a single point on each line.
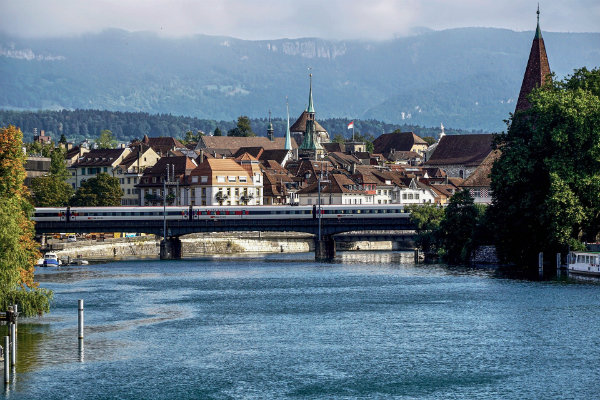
[18, 250]
[101, 191]
[243, 128]
[546, 184]
[427, 218]
[106, 140]
[457, 228]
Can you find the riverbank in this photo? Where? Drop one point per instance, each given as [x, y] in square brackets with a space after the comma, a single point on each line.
[201, 244]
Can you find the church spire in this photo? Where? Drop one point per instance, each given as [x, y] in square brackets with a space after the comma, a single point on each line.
[311, 108]
[288, 139]
[537, 72]
[270, 129]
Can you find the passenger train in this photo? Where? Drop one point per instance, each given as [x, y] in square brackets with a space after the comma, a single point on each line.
[191, 213]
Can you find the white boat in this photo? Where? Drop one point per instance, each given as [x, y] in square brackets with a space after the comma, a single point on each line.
[584, 262]
[51, 260]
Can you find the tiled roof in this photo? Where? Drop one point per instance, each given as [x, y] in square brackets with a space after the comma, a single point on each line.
[537, 71]
[234, 143]
[183, 166]
[402, 155]
[481, 176]
[276, 155]
[162, 144]
[300, 124]
[254, 151]
[468, 150]
[403, 141]
[99, 157]
[334, 147]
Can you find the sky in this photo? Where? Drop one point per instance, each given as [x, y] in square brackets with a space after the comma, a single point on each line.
[274, 19]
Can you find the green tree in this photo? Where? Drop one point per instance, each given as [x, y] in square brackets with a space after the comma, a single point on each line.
[243, 128]
[63, 139]
[18, 250]
[217, 132]
[427, 218]
[457, 228]
[101, 191]
[429, 140]
[58, 164]
[339, 138]
[106, 140]
[546, 184]
[50, 191]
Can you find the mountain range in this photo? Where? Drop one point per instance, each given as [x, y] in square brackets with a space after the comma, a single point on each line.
[466, 78]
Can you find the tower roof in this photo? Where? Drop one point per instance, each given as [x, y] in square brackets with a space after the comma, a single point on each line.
[311, 108]
[538, 69]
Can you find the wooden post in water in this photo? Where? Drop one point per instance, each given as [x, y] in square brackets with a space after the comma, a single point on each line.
[80, 319]
[558, 264]
[6, 359]
[13, 345]
[541, 261]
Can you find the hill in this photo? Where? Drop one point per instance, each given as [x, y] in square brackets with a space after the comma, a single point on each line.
[466, 78]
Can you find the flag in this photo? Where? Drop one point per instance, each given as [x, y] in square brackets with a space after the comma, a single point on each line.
[351, 125]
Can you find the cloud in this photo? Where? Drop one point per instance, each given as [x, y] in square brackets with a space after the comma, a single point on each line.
[270, 19]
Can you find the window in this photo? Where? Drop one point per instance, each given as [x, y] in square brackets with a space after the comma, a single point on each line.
[309, 201]
[203, 191]
[404, 196]
[105, 169]
[417, 196]
[204, 179]
[231, 178]
[237, 191]
[220, 179]
[128, 181]
[194, 179]
[128, 191]
[243, 179]
[410, 196]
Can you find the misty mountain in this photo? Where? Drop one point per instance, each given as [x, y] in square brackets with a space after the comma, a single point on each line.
[466, 78]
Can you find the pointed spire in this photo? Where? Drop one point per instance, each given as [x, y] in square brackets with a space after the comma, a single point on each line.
[270, 129]
[288, 140]
[311, 108]
[537, 72]
[538, 31]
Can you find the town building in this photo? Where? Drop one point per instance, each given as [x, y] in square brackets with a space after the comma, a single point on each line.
[224, 182]
[389, 143]
[460, 155]
[94, 162]
[130, 171]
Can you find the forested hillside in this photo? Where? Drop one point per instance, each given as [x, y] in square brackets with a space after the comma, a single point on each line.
[86, 124]
[466, 78]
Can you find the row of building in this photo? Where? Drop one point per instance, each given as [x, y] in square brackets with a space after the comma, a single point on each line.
[223, 170]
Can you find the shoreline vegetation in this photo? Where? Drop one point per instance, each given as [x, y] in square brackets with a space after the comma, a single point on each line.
[18, 250]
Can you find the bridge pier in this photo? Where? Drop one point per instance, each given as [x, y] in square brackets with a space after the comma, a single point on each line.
[324, 248]
[170, 249]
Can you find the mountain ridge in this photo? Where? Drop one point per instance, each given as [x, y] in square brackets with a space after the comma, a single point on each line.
[468, 78]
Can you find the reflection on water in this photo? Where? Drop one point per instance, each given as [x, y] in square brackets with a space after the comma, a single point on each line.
[368, 325]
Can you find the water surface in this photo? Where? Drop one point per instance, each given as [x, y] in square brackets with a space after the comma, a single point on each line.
[370, 325]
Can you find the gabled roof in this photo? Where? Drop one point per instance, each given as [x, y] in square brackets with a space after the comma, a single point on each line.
[183, 166]
[338, 183]
[481, 176]
[254, 151]
[467, 150]
[99, 157]
[402, 141]
[402, 155]
[162, 145]
[300, 125]
[277, 155]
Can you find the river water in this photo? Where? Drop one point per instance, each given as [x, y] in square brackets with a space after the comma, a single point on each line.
[370, 325]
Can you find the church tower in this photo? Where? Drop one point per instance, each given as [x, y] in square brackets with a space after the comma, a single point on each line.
[537, 72]
[311, 147]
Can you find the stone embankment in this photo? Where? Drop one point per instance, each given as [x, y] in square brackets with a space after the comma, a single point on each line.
[193, 245]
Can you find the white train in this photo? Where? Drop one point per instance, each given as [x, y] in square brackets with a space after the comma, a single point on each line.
[216, 212]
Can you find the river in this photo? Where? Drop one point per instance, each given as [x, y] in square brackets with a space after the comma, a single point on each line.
[369, 325]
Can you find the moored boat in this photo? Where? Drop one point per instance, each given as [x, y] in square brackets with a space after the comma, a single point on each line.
[51, 260]
[585, 262]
